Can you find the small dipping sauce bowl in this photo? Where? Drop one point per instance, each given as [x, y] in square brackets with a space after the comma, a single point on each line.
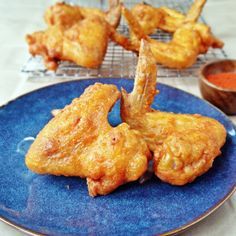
[223, 98]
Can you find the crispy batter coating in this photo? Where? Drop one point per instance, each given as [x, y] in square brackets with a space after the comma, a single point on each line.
[112, 15]
[173, 19]
[165, 18]
[184, 146]
[148, 17]
[66, 15]
[63, 14]
[180, 52]
[84, 43]
[188, 41]
[79, 141]
[76, 34]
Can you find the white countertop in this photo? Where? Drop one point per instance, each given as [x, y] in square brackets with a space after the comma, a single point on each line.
[20, 17]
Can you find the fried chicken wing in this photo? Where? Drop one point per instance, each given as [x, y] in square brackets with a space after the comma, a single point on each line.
[184, 146]
[187, 43]
[195, 11]
[171, 20]
[76, 34]
[63, 14]
[180, 52]
[79, 141]
[67, 15]
[112, 16]
[148, 17]
[84, 43]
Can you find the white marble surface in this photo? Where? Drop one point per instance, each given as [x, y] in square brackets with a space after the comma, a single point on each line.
[19, 17]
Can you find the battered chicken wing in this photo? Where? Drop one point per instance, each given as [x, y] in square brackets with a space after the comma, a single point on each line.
[184, 146]
[75, 34]
[187, 43]
[79, 141]
[63, 14]
[67, 15]
[171, 20]
[148, 17]
[167, 19]
[84, 43]
[112, 16]
[180, 52]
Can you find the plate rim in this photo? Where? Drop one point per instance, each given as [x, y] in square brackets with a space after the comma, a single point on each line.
[171, 232]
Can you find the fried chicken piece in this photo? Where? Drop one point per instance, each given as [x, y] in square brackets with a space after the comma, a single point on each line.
[67, 15]
[148, 17]
[184, 146]
[63, 14]
[79, 141]
[181, 52]
[170, 20]
[207, 38]
[173, 19]
[85, 43]
[195, 11]
[75, 34]
[112, 16]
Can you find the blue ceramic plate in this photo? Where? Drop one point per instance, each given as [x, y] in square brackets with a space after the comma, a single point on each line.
[61, 206]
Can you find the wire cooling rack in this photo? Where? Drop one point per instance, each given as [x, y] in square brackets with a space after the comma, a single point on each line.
[118, 62]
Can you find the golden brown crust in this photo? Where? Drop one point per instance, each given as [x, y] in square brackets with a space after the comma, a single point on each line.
[76, 34]
[180, 52]
[66, 15]
[79, 141]
[189, 39]
[148, 17]
[184, 146]
[84, 43]
[63, 14]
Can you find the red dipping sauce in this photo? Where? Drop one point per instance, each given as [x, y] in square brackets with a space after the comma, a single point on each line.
[223, 80]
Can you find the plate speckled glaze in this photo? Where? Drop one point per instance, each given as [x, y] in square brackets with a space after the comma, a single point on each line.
[61, 206]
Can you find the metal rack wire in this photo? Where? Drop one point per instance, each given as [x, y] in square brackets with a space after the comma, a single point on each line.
[118, 62]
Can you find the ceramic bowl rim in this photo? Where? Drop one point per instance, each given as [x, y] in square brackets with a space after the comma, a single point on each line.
[208, 83]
